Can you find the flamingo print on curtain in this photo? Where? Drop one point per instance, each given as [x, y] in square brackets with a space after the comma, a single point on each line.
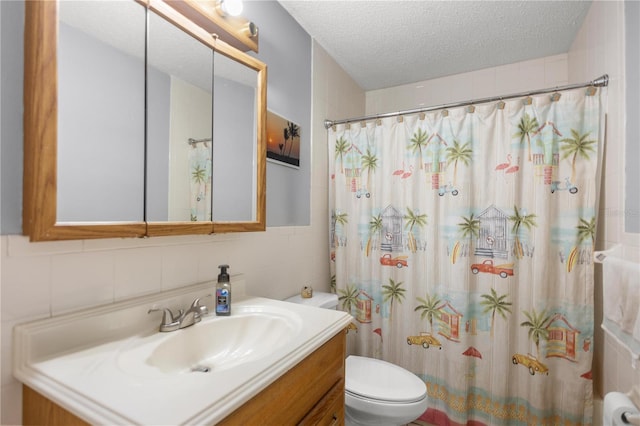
[461, 243]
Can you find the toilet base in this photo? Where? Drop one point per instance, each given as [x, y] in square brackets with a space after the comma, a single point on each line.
[363, 412]
[349, 421]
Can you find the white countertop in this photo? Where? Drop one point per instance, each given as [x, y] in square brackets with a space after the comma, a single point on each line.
[76, 360]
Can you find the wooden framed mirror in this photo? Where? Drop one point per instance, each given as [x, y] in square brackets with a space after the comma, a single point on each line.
[117, 187]
[217, 122]
[56, 204]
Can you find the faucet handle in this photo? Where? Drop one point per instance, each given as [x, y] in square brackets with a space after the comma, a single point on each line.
[169, 322]
[202, 310]
[167, 316]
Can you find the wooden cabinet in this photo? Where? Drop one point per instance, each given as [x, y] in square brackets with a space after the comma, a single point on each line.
[39, 410]
[310, 393]
[329, 410]
[118, 185]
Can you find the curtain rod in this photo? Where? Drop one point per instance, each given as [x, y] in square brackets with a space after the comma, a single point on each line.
[601, 81]
[195, 141]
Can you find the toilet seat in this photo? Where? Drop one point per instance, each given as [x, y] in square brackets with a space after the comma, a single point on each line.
[380, 381]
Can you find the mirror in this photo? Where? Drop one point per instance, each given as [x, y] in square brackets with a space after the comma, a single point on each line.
[205, 139]
[66, 194]
[101, 110]
[235, 137]
[84, 175]
[179, 125]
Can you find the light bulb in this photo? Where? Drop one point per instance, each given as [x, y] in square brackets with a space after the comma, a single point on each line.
[231, 7]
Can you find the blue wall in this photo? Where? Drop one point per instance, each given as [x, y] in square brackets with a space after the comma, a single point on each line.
[286, 49]
[11, 63]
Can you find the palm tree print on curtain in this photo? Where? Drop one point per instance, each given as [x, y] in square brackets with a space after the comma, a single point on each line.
[478, 278]
[494, 303]
[200, 181]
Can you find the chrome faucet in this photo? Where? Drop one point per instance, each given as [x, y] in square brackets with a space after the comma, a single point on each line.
[171, 322]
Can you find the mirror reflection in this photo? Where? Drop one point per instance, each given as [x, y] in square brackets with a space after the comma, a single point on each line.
[235, 140]
[179, 126]
[100, 155]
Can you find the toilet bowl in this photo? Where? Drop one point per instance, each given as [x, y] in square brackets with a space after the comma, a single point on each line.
[376, 392]
[380, 393]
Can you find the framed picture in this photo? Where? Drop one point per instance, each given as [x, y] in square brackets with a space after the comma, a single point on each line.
[283, 141]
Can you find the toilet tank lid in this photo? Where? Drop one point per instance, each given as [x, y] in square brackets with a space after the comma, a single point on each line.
[319, 299]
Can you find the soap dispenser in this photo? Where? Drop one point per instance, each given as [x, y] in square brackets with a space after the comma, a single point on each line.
[223, 292]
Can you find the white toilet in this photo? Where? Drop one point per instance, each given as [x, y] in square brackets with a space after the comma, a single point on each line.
[376, 392]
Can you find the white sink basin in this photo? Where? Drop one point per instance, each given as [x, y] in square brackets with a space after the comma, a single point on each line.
[222, 343]
[213, 345]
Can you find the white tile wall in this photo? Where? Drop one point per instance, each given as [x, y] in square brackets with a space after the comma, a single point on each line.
[507, 79]
[41, 279]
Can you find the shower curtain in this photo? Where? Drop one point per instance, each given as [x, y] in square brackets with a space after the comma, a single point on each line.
[200, 181]
[461, 242]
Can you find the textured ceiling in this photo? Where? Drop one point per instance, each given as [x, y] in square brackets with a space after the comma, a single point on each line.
[387, 43]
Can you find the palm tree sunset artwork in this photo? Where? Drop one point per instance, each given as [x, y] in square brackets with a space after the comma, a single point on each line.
[283, 140]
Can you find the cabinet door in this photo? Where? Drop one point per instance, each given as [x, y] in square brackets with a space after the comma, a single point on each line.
[87, 170]
[329, 410]
[301, 391]
[179, 129]
[83, 120]
[101, 111]
[39, 410]
[205, 130]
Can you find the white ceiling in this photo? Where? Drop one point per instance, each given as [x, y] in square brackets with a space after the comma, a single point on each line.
[388, 43]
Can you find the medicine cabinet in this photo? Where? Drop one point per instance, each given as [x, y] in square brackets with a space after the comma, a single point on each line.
[138, 122]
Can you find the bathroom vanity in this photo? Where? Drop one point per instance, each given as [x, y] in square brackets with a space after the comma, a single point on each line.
[312, 391]
[270, 362]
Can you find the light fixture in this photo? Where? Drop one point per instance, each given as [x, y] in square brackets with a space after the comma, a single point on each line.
[218, 18]
[251, 30]
[230, 7]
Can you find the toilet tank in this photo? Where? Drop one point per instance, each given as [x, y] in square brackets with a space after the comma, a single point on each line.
[319, 299]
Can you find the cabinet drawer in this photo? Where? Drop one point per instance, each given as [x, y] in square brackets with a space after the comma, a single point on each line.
[329, 411]
[288, 400]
